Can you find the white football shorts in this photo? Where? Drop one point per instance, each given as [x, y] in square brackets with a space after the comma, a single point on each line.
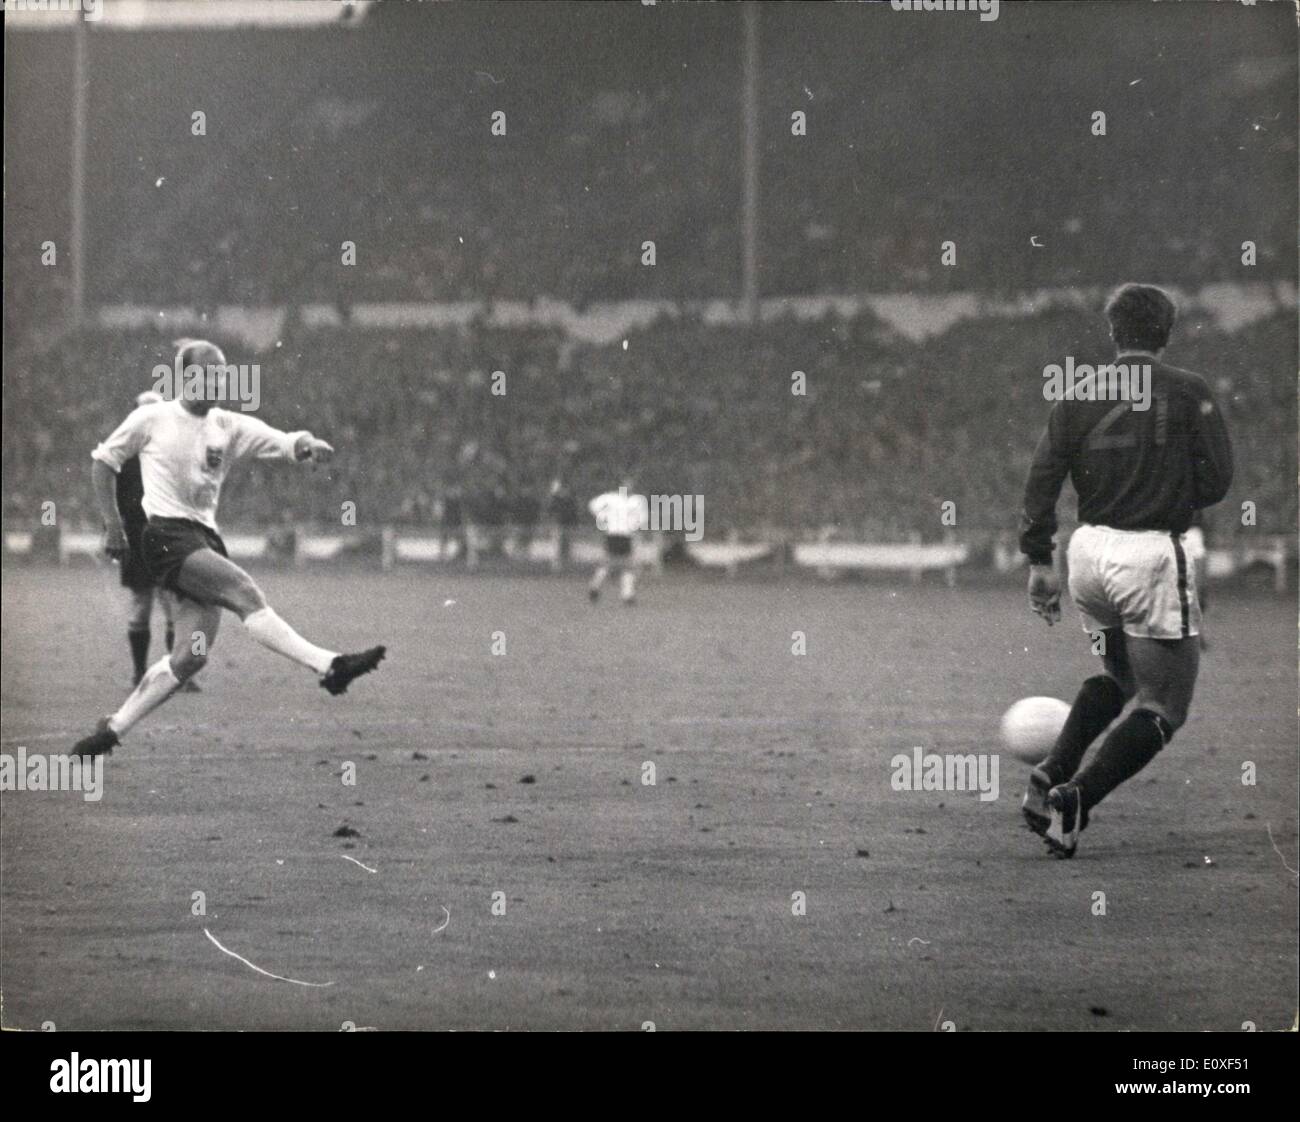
[1140, 580]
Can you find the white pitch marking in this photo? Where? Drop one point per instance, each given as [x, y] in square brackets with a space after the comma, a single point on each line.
[356, 862]
[444, 922]
[1269, 827]
[253, 966]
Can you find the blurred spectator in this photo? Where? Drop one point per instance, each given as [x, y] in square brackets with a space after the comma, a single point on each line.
[562, 506]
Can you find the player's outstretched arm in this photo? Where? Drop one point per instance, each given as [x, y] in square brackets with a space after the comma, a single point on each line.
[308, 447]
[104, 481]
[257, 438]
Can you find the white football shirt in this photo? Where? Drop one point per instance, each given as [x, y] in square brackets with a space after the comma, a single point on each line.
[185, 458]
[620, 513]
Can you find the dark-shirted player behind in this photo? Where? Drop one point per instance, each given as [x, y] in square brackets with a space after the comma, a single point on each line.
[1141, 475]
[133, 572]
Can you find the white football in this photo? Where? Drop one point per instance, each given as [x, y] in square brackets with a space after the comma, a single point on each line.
[1030, 727]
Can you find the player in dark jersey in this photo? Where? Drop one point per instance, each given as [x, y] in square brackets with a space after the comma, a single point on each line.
[1141, 470]
[132, 570]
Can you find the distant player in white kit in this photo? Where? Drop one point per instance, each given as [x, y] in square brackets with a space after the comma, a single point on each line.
[185, 448]
[620, 516]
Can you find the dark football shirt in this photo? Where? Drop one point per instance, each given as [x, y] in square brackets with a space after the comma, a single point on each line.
[1132, 469]
[130, 496]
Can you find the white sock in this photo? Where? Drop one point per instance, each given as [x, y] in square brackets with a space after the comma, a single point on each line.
[273, 633]
[157, 685]
[627, 584]
[599, 577]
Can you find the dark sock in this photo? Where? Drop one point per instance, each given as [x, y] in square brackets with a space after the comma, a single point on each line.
[1099, 702]
[1131, 745]
[171, 638]
[139, 641]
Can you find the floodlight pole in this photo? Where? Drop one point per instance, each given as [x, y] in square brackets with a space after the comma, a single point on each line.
[749, 202]
[77, 237]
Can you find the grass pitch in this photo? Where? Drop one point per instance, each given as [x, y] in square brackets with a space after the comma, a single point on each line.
[484, 778]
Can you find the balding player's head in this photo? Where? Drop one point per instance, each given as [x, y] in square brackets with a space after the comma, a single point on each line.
[202, 373]
[199, 352]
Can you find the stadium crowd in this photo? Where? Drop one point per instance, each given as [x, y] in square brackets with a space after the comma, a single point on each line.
[886, 431]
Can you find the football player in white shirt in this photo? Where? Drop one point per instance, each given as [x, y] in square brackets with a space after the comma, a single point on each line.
[186, 447]
[620, 516]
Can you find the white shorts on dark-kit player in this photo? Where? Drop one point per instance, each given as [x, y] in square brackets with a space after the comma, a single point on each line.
[1143, 581]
